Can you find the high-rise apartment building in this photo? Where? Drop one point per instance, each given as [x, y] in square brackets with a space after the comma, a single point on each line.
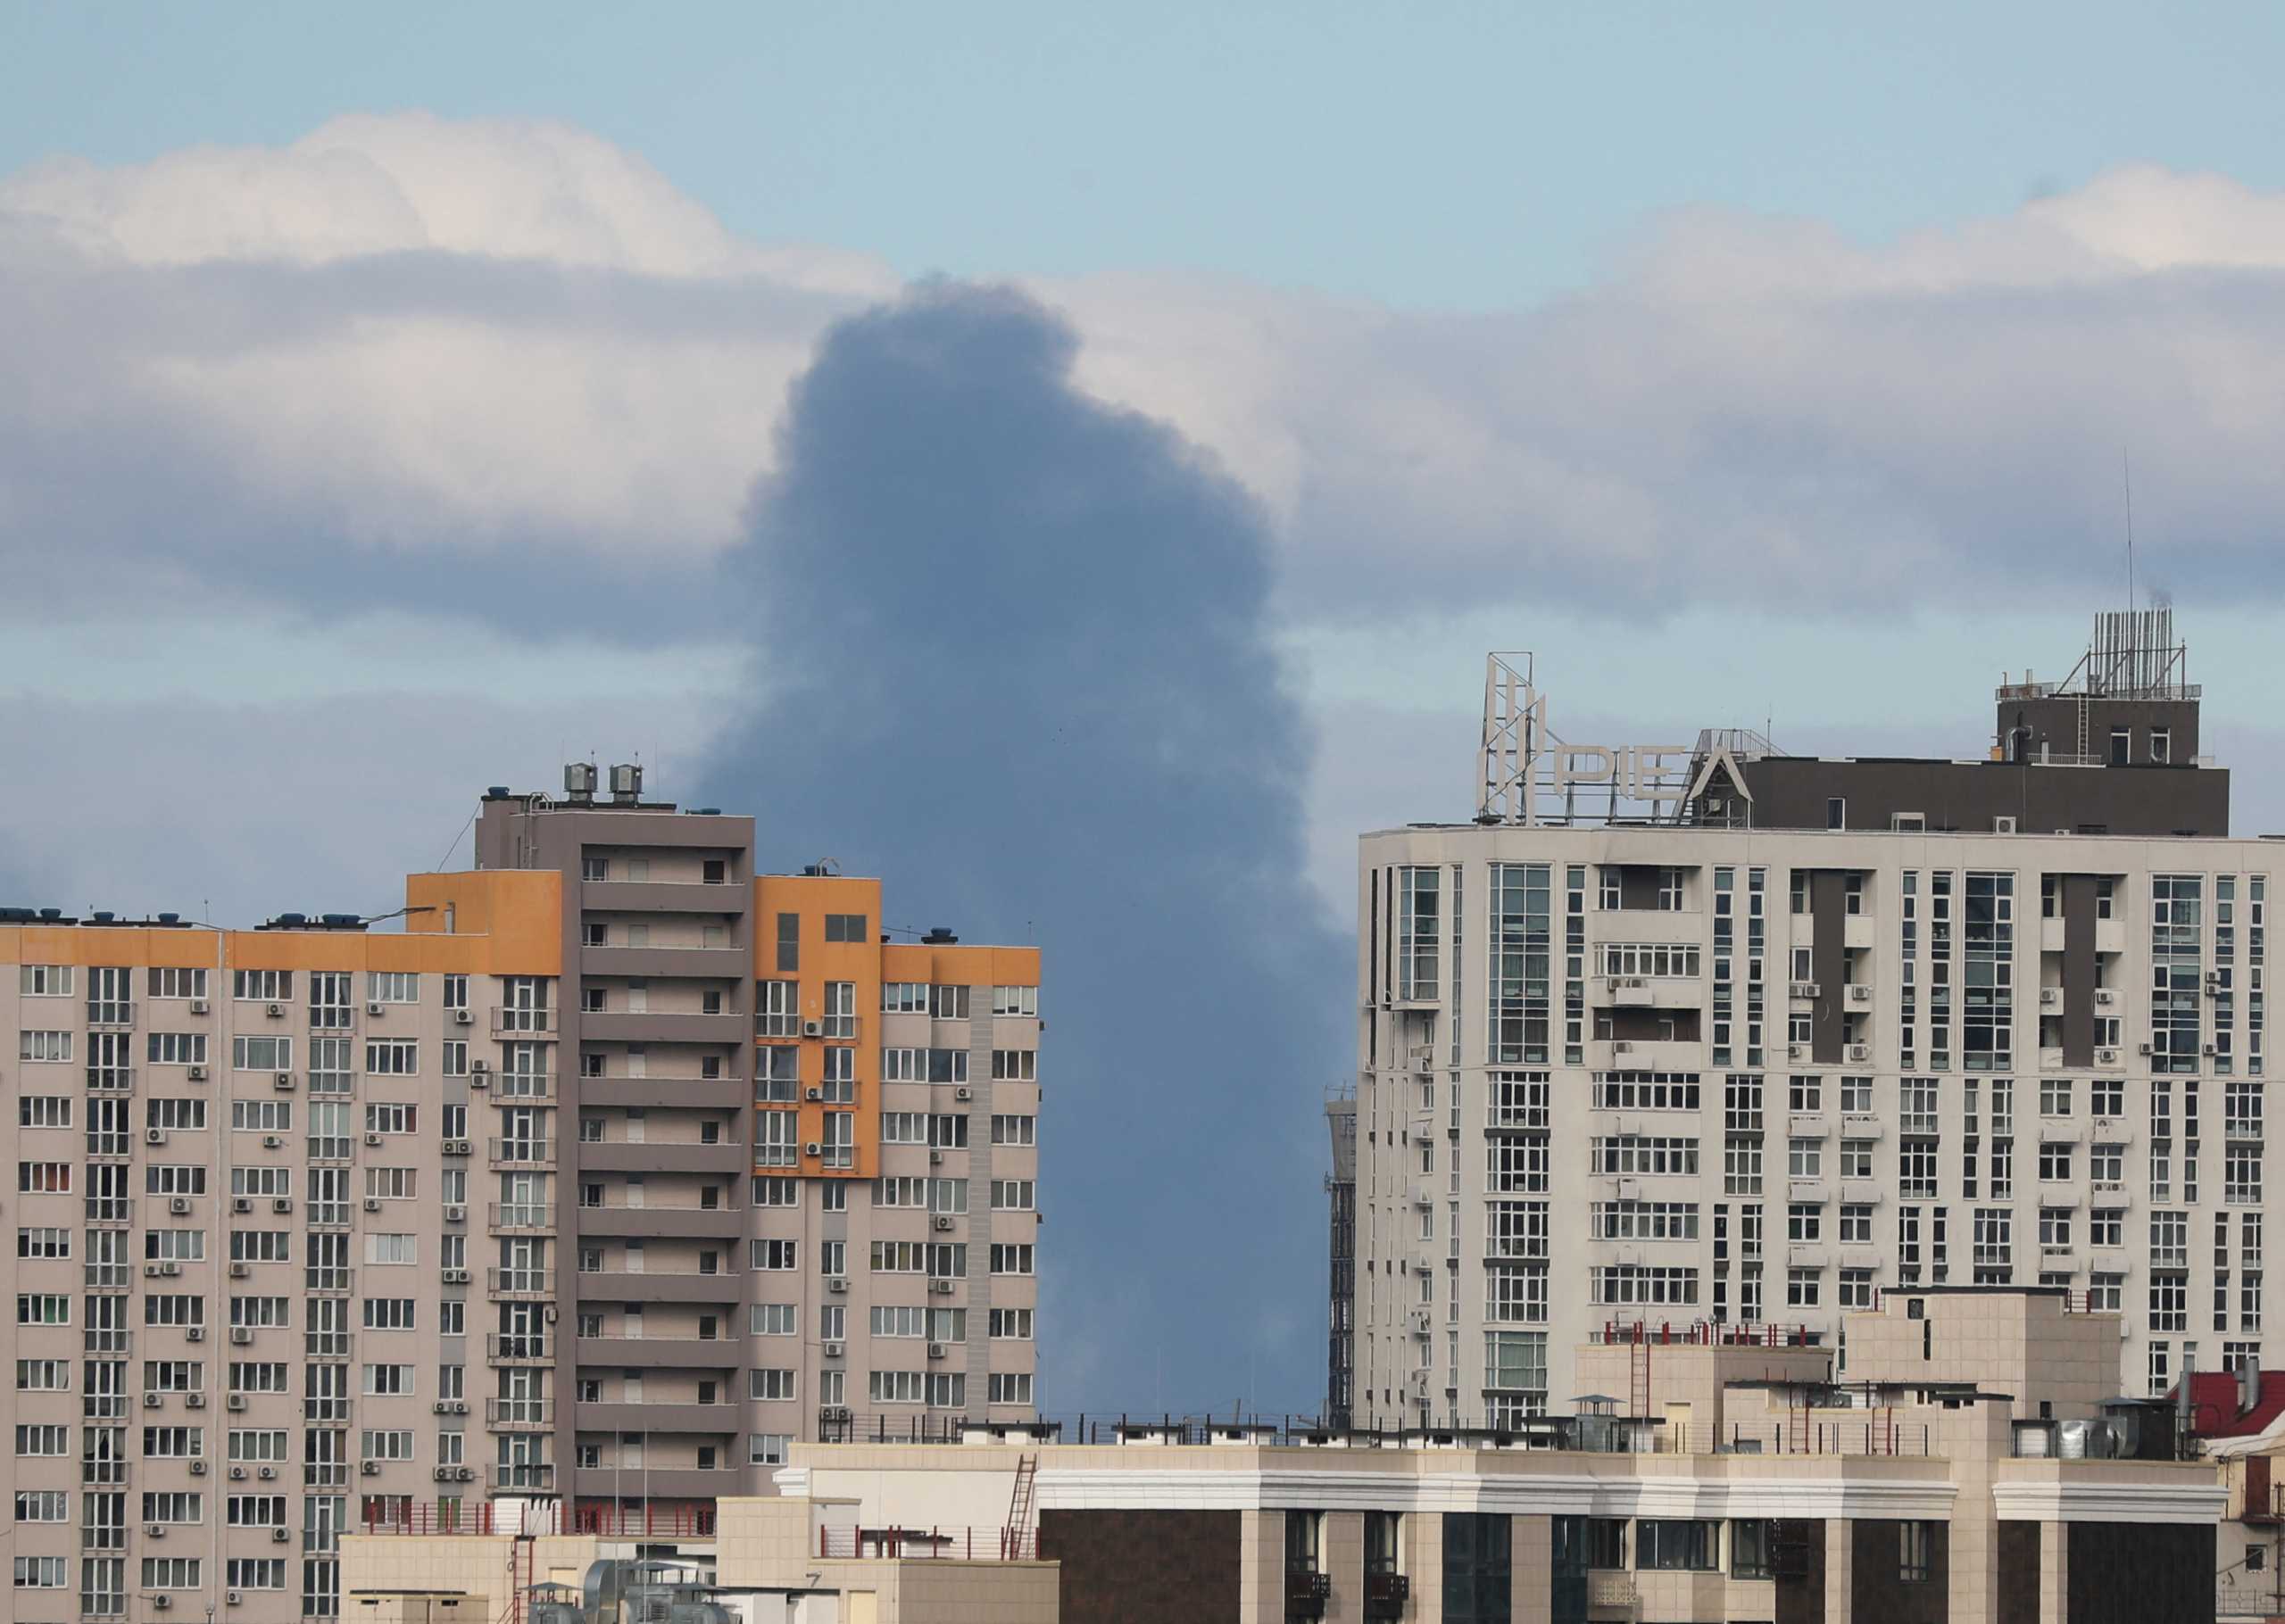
[1714, 1033]
[619, 1168]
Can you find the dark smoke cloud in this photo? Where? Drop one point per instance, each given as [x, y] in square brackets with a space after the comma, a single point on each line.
[1021, 669]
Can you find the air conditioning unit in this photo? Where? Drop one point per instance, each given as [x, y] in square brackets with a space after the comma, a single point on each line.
[198, 1469]
[813, 1029]
[372, 1139]
[239, 1271]
[281, 1204]
[241, 1336]
[2050, 997]
[150, 1272]
[463, 1017]
[277, 1012]
[2003, 824]
[236, 1401]
[152, 1401]
[941, 1287]
[193, 1333]
[371, 1468]
[962, 1093]
[834, 1413]
[284, 1082]
[372, 1006]
[2105, 1057]
[198, 1074]
[456, 1215]
[942, 1222]
[372, 1204]
[177, 1204]
[817, 1094]
[1860, 992]
[2141, 1048]
[235, 1597]
[169, 1270]
[278, 1537]
[194, 1400]
[935, 1350]
[456, 1146]
[1861, 1051]
[198, 1005]
[456, 1277]
[443, 1474]
[834, 1350]
[1797, 1051]
[1803, 990]
[458, 1407]
[935, 1157]
[154, 1136]
[478, 1068]
[813, 1148]
[2104, 995]
[2207, 1049]
[162, 1601]
[155, 1531]
[837, 1283]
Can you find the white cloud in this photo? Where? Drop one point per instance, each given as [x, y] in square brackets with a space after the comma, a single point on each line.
[403, 333]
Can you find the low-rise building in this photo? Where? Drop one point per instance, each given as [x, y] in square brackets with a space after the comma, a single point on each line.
[1959, 1457]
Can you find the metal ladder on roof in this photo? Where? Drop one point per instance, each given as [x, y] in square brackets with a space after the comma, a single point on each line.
[1019, 1505]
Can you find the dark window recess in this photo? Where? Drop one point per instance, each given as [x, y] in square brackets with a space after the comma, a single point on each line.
[844, 927]
[789, 943]
[1836, 813]
[1478, 1579]
[714, 871]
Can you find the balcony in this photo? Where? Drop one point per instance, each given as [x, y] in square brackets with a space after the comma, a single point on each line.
[657, 1222]
[657, 1286]
[1646, 1054]
[733, 962]
[524, 1477]
[665, 896]
[514, 1152]
[729, 1028]
[651, 1155]
[519, 1414]
[523, 1217]
[638, 1416]
[519, 1283]
[665, 1482]
[539, 1023]
[698, 1093]
[663, 1353]
[520, 1087]
[519, 1348]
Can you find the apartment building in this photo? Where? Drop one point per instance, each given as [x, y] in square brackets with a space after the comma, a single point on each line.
[1711, 1032]
[617, 1169]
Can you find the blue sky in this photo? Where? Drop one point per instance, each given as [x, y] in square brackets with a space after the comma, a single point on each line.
[1458, 155]
[391, 403]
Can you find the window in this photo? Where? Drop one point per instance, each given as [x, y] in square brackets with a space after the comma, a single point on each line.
[845, 927]
[262, 1053]
[393, 987]
[262, 986]
[1805, 1158]
[1804, 1224]
[1011, 1259]
[1015, 1001]
[1836, 813]
[1916, 1557]
[1675, 1545]
[770, 1385]
[2161, 745]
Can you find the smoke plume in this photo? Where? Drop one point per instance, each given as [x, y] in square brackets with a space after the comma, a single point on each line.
[1018, 664]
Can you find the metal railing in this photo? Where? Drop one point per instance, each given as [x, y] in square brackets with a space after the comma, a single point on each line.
[929, 1544]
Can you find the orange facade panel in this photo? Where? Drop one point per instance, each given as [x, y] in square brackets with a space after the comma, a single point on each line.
[960, 965]
[810, 899]
[507, 922]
